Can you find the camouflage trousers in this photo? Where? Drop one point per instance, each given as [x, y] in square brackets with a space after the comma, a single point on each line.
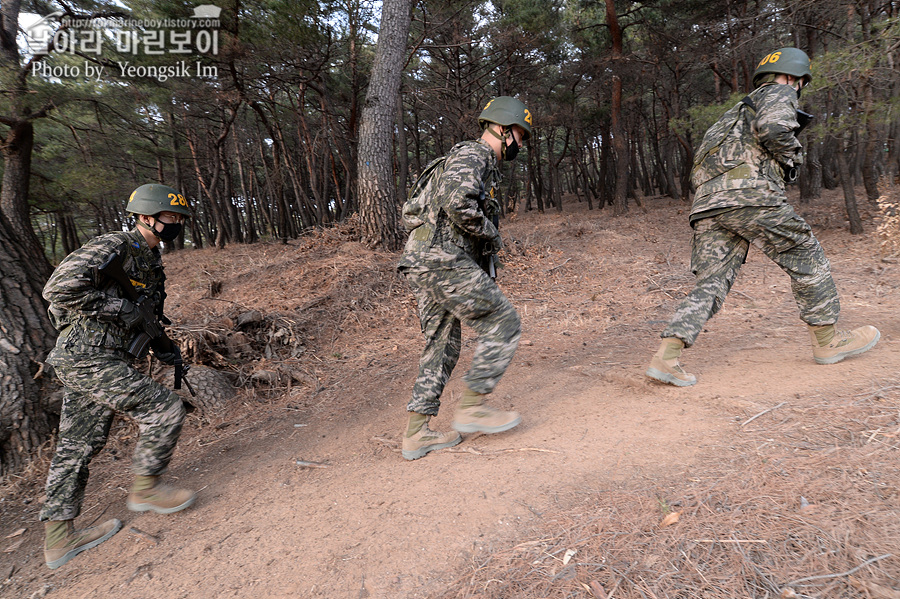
[720, 247]
[99, 383]
[446, 298]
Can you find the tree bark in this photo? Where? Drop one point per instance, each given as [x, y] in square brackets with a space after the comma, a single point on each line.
[847, 183]
[17, 147]
[26, 337]
[620, 201]
[378, 200]
[872, 145]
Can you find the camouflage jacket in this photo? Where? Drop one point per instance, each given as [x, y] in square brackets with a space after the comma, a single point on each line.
[740, 160]
[85, 305]
[458, 225]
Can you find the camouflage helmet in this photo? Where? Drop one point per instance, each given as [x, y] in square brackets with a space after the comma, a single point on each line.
[788, 61]
[506, 111]
[152, 198]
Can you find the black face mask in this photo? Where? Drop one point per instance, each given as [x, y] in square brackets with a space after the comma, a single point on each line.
[512, 150]
[170, 231]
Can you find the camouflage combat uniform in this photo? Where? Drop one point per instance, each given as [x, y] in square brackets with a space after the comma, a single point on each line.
[740, 201]
[90, 359]
[441, 264]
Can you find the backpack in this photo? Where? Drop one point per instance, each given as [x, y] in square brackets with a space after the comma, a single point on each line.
[708, 163]
[417, 209]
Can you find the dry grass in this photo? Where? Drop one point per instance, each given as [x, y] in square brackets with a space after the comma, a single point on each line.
[889, 227]
[803, 504]
[803, 501]
[280, 317]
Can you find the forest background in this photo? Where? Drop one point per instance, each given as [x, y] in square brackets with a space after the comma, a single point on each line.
[286, 117]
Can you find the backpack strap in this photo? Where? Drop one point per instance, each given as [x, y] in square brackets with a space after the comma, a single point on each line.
[418, 212]
[748, 102]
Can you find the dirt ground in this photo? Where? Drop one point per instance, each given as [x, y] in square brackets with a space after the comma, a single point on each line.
[771, 476]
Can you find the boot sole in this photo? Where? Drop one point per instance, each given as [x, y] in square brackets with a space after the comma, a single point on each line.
[415, 454]
[147, 507]
[53, 565]
[664, 377]
[837, 358]
[474, 427]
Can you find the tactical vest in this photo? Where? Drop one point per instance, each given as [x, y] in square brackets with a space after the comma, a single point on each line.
[87, 327]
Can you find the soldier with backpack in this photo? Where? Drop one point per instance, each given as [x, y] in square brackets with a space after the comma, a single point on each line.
[740, 171]
[450, 216]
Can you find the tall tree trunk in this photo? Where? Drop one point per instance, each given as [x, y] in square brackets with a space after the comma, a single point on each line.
[378, 205]
[178, 179]
[17, 147]
[811, 173]
[403, 150]
[872, 145]
[620, 200]
[26, 338]
[847, 183]
[26, 335]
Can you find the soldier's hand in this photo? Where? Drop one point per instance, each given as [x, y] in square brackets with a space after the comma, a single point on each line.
[130, 314]
[492, 207]
[789, 173]
[168, 357]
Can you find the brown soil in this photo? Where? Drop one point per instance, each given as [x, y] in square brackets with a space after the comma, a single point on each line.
[778, 469]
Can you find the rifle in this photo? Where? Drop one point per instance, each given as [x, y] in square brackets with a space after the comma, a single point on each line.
[489, 261]
[152, 333]
[804, 119]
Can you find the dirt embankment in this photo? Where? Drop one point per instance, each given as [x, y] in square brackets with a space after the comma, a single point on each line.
[771, 476]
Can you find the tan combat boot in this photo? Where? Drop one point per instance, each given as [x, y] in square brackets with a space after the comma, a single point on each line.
[831, 345]
[63, 542]
[664, 366]
[147, 493]
[472, 416]
[419, 439]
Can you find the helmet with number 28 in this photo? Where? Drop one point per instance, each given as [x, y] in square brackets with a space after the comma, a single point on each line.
[152, 198]
[787, 61]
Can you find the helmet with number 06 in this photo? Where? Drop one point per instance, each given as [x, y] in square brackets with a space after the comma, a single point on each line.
[152, 198]
[787, 61]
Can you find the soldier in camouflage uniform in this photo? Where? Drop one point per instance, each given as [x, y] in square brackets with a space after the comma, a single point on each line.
[740, 171]
[452, 234]
[96, 325]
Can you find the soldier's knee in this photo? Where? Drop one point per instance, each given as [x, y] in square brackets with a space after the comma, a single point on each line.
[512, 323]
[172, 412]
[180, 411]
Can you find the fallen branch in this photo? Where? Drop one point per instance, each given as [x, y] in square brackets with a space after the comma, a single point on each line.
[495, 451]
[306, 464]
[748, 421]
[847, 573]
[558, 265]
[729, 541]
[150, 537]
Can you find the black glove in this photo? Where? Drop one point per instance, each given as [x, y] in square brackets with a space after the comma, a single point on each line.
[130, 314]
[492, 246]
[790, 173]
[168, 357]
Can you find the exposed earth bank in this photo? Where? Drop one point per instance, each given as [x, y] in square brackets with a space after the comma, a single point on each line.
[600, 444]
